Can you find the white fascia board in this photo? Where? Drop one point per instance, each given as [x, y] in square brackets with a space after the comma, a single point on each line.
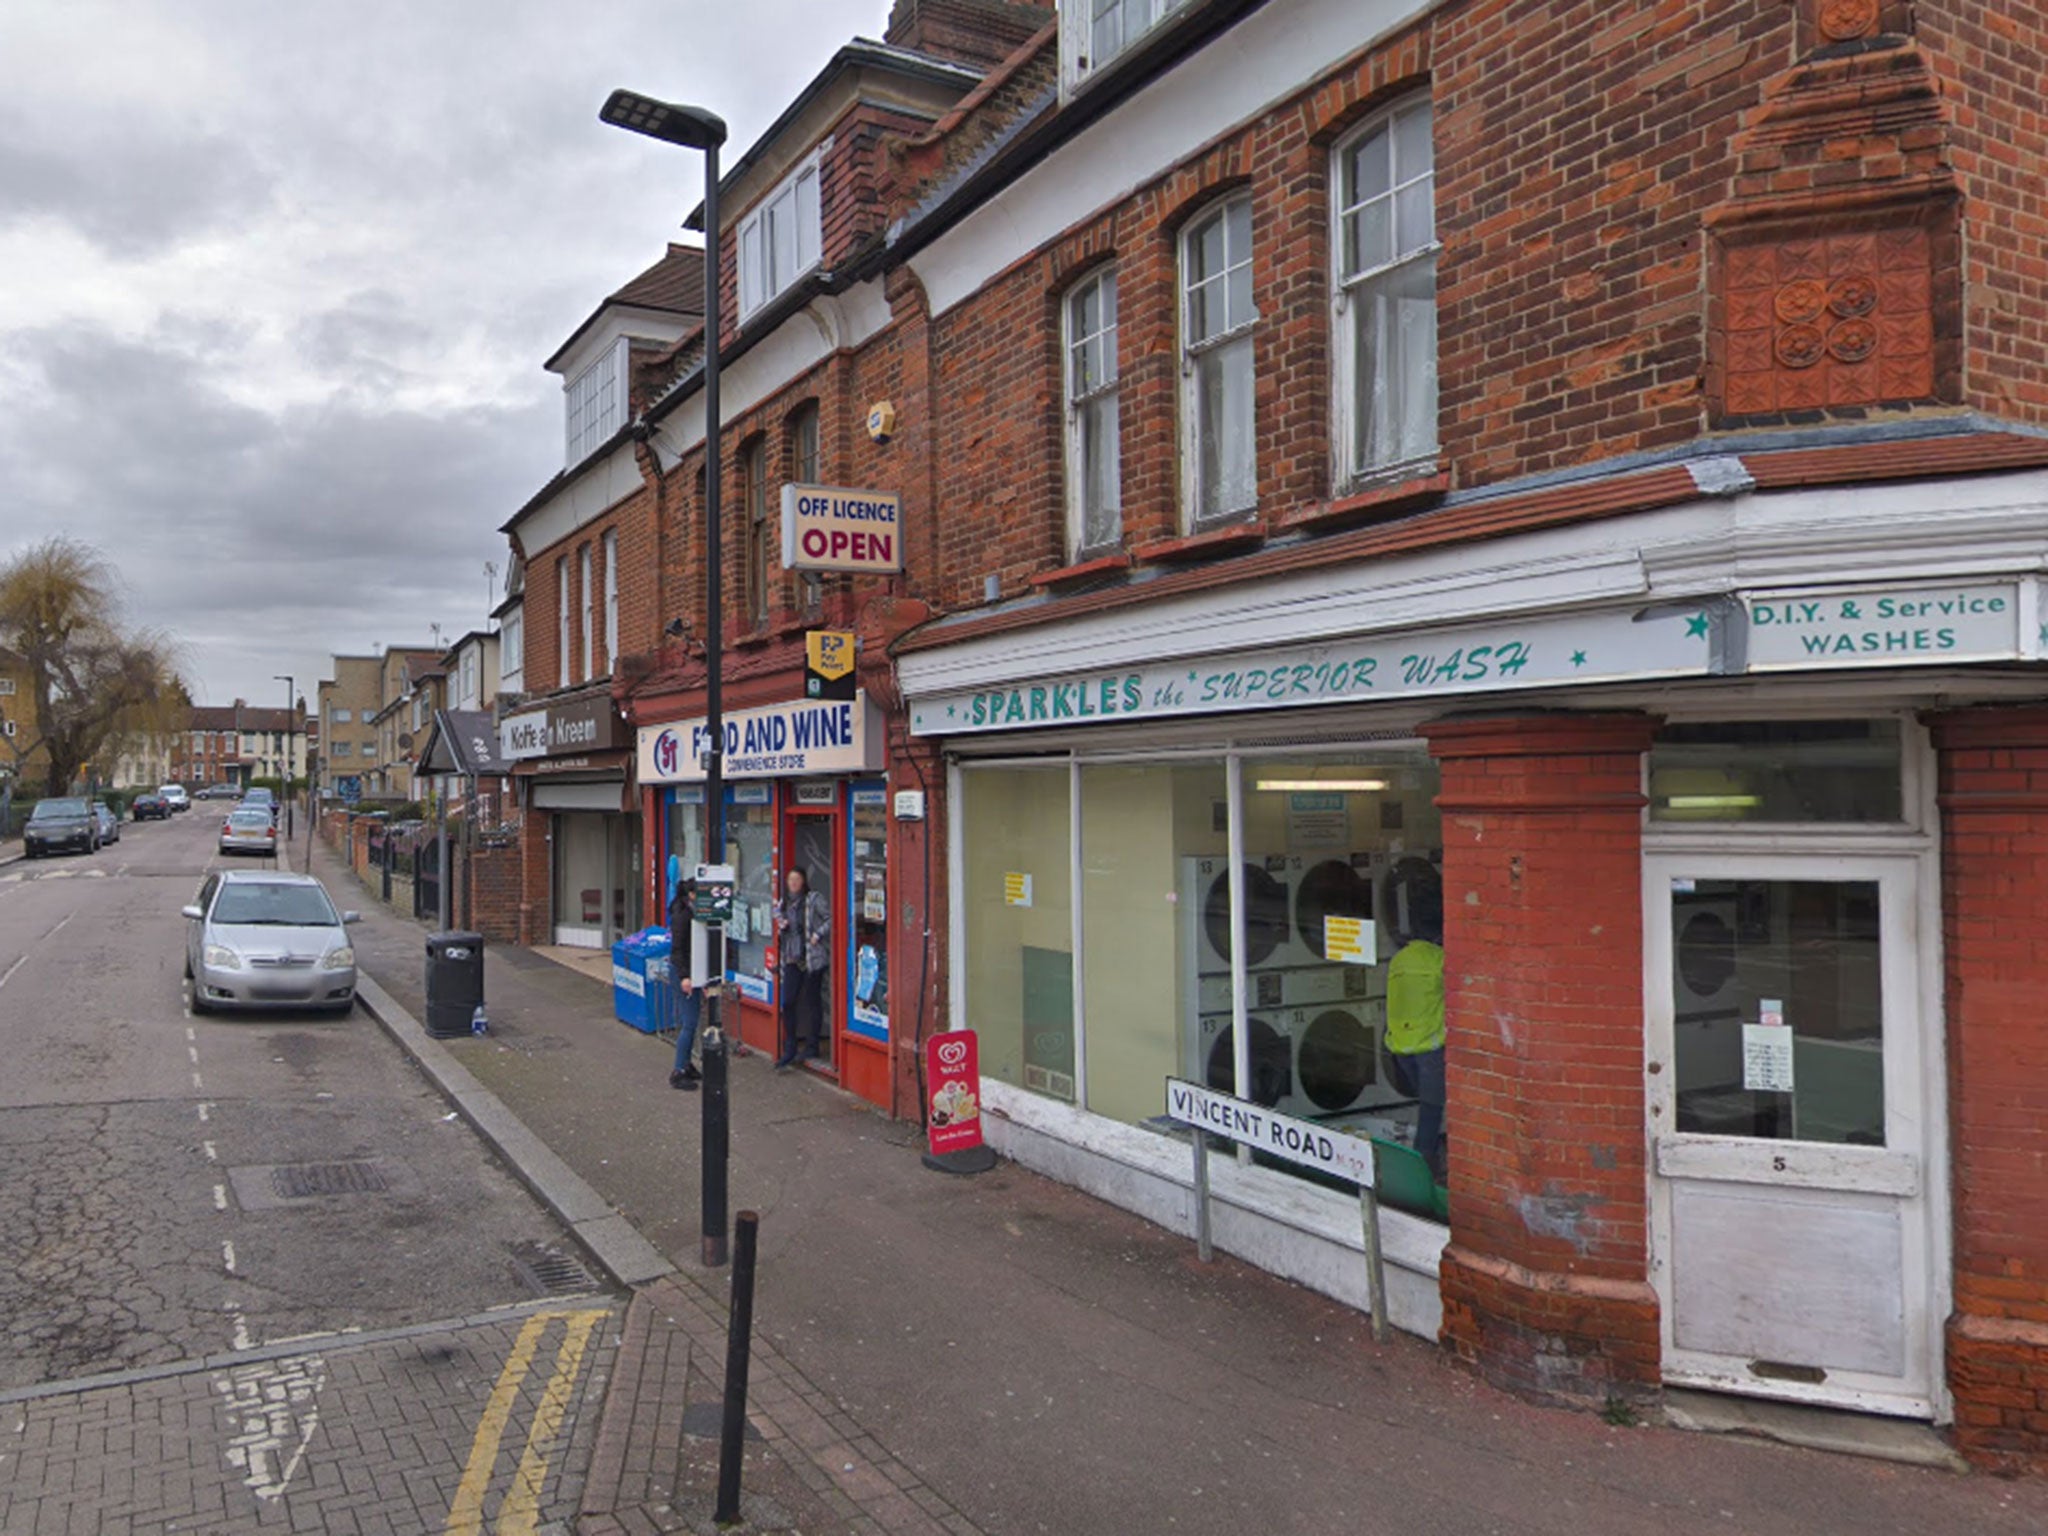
[659, 326]
[829, 323]
[594, 491]
[1271, 55]
[1965, 526]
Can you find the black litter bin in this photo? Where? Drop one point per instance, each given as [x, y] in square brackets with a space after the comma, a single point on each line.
[455, 982]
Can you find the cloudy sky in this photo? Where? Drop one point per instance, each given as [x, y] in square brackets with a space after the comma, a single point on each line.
[277, 280]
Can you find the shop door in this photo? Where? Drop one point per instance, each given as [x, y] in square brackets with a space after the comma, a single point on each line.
[1792, 1128]
[812, 836]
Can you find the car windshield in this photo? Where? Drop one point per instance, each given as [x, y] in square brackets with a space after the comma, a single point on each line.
[57, 810]
[258, 797]
[266, 904]
[250, 819]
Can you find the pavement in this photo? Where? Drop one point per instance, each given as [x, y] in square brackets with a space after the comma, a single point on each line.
[1004, 1354]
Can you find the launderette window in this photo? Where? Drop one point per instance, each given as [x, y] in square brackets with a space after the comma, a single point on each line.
[1777, 771]
[1016, 834]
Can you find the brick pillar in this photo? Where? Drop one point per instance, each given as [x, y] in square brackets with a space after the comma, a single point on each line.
[1546, 1280]
[1994, 856]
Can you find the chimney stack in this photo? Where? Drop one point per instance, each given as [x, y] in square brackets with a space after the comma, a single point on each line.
[977, 33]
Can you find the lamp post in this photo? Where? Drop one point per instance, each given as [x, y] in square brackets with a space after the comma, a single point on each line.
[695, 128]
[284, 770]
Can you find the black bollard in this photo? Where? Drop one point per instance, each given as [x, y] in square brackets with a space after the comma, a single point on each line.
[717, 1135]
[739, 1339]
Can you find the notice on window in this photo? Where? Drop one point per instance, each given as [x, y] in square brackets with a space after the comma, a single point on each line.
[1317, 822]
[1351, 940]
[1767, 1058]
[1016, 889]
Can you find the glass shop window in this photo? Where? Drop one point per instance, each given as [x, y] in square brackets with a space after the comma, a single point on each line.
[869, 1014]
[750, 847]
[1155, 840]
[1777, 771]
[686, 829]
[1017, 914]
[1344, 858]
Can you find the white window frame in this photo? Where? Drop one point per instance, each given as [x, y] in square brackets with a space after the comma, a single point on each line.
[782, 238]
[512, 644]
[562, 608]
[589, 600]
[1135, 20]
[595, 403]
[1192, 352]
[1351, 393]
[339, 716]
[1084, 397]
[611, 601]
[339, 749]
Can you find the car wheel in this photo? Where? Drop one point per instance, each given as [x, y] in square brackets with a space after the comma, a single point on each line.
[199, 1004]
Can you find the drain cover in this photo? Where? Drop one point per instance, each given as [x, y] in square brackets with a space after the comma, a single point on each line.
[309, 1181]
[548, 1271]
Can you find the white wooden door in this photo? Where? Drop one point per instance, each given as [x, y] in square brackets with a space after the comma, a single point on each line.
[1791, 1127]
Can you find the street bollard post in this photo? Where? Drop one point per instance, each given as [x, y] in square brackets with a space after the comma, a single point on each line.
[717, 1133]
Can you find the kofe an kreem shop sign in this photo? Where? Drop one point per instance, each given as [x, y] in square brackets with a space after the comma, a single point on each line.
[583, 725]
[831, 528]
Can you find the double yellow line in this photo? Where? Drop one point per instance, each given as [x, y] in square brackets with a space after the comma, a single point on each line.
[519, 1511]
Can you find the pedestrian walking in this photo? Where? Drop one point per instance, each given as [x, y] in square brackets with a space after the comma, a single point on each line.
[689, 1001]
[803, 931]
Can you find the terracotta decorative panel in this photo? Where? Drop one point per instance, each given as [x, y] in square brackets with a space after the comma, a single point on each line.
[1842, 21]
[1821, 322]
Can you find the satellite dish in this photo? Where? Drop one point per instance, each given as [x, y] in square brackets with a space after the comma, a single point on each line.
[404, 742]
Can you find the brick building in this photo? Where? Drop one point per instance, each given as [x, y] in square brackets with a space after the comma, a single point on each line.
[236, 743]
[1566, 482]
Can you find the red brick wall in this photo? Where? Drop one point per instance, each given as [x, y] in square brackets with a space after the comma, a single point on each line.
[1545, 1283]
[1992, 58]
[1994, 802]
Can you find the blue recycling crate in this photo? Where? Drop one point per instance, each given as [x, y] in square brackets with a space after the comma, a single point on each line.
[634, 1000]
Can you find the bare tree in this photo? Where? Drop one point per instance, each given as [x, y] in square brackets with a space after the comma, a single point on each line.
[60, 619]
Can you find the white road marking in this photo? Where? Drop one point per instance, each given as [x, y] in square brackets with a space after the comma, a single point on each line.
[212, 1152]
[220, 1197]
[62, 922]
[193, 1052]
[8, 975]
[57, 874]
[197, 1082]
[205, 1113]
[191, 1034]
[273, 1409]
[242, 1339]
[95, 874]
[227, 1255]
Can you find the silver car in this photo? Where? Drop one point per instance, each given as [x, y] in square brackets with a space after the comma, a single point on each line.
[249, 832]
[268, 939]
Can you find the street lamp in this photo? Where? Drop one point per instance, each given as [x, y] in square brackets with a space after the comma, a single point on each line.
[284, 767]
[695, 128]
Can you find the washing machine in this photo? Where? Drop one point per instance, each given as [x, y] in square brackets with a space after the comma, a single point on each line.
[1270, 938]
[1341, 885]
[1272, 1058]
[1340, 1060]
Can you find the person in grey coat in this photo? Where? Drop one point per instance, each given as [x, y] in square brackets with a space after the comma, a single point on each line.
[803, 933]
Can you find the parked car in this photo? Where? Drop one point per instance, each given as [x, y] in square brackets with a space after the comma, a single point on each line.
[174, 796]
[263, 798]
[150, 808]
[220, 792]
[265, 939]
[110, 824]
[60, 824]
[249, 831]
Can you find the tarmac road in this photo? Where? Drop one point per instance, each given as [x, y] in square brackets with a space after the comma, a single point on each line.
[184, 1193]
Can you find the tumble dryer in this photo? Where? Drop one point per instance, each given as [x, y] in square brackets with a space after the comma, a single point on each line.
[1272, 1058]
[1340, 1060]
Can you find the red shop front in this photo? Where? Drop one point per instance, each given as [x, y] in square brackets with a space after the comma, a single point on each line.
[804, 790]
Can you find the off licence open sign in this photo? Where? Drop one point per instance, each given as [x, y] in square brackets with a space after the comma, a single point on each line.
[830, 528]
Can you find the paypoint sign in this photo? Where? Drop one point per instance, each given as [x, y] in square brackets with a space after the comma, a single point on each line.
[829, 528]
